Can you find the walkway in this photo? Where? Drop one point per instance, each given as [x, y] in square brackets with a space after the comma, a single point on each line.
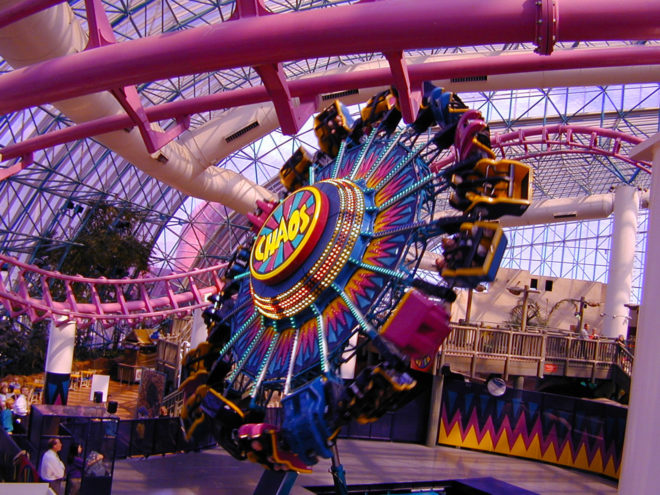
[214, 472]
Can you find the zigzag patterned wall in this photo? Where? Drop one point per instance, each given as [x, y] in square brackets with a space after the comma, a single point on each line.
[560, 430]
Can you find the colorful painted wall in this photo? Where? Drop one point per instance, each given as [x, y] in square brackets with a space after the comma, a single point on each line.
[561, 430]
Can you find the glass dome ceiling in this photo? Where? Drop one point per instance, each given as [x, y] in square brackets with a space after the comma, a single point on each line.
[47, 202]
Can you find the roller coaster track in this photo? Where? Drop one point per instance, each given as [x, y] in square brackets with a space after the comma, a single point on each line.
[40, 294]
[540, 141]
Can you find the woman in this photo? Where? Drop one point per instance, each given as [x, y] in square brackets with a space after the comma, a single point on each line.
[75, 461]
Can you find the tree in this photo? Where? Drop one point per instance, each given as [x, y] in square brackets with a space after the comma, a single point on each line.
[106, 246]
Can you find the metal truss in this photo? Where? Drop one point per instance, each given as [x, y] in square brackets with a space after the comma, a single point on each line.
[575, 250]
[48, 200]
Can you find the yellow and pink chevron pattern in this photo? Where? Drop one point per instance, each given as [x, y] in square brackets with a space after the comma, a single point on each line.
[561, 430]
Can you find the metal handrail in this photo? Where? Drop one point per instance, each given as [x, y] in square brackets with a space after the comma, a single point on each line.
[540, 345]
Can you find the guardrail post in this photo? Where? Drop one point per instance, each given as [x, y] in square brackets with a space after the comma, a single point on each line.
[541, 366]
[594, 362]
[509, 346]
[475, 346]
[436, 402]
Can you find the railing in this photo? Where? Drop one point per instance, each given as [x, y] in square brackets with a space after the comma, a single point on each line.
[538, 352]
[28, 290]
[15, 463]
[173, 402]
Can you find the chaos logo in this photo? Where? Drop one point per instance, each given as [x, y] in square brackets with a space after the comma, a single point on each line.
[289, 235]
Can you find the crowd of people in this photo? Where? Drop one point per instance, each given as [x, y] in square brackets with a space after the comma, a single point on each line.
[15, 402]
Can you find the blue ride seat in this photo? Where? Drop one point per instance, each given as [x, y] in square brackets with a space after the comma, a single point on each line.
[306, 427]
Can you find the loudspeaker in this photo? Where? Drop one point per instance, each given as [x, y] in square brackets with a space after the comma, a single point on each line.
[98, 397]
[112, 406]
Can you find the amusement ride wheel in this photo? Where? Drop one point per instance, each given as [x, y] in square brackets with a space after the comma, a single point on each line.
[334, 265]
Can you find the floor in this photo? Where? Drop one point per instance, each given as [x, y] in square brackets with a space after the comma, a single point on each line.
[124, 394]
[215, 472]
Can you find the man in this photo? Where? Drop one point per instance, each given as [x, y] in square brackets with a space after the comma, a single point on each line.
[21, 410]
[51, 469]
[584, 331]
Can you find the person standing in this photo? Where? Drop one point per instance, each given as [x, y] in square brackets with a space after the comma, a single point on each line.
[52, 469]
[75, 463]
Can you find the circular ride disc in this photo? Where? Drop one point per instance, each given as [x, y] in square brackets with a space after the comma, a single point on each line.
[329, 262]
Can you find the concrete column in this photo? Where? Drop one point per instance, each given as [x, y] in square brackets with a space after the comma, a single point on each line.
[622, 256]
[59, 360]
[519, 383]
[433, 425]
[641, 450]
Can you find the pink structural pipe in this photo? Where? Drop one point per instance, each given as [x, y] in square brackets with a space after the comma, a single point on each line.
[386, 26]
[310, 87]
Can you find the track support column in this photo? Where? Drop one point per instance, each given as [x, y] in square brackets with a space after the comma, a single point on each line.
[626, 208]
[59, 360]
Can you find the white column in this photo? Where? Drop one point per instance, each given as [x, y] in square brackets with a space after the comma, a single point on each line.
[622, 257]
[59, 360]
[641, 450]
[199, 333]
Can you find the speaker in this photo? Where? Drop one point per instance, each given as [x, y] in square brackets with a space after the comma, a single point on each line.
[112, 406]
[98, 397]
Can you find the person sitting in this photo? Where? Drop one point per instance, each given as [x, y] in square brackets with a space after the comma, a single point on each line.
[6, 416]
[21, 409]
[4, 391]
[52, 468]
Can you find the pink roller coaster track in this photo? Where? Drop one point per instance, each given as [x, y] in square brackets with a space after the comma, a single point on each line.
[153, 299]
[109, 301]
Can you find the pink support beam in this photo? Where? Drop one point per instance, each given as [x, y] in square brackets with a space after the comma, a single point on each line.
[311, 87]
[387, 26]
[249, 8]
[409, 97]
[25, 162]
[100, 31]
[101, 34]
[290, 116]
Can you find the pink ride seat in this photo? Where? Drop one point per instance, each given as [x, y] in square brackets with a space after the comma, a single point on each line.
[417, 326]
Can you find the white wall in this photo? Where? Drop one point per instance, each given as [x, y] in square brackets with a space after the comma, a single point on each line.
[494, 306]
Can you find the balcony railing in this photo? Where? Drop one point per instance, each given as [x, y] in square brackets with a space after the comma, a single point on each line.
[507, 351]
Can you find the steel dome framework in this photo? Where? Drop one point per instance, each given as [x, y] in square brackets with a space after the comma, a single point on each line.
[48, 190]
